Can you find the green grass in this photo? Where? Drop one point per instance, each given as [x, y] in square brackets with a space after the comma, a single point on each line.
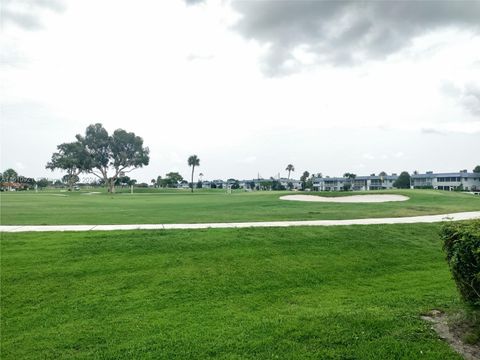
[50, 208]
[353, 292]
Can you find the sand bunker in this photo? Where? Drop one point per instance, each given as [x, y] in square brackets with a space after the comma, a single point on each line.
[347, 199]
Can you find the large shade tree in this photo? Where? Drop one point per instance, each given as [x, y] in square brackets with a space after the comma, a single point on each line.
[477, 169]
[113, 155]
[193, 161]
[102, 155]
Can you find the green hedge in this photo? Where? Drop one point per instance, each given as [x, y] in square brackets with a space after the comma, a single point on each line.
[462, 246]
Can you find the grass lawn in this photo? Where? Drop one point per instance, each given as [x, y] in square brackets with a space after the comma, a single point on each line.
[353, 292]
[50, 208]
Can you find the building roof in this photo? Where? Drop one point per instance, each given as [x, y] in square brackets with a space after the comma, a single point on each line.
[455, 174]
[362, 178]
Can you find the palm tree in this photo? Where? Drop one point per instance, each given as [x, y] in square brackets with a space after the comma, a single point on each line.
[290, 168]
[193, 161]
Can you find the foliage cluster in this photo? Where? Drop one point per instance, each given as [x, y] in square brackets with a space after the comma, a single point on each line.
[462, 247]
[403, 181]
[108, 157]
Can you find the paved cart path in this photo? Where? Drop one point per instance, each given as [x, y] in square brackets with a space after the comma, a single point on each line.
[400, 220]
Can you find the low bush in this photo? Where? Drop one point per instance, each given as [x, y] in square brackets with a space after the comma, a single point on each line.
[462, 247]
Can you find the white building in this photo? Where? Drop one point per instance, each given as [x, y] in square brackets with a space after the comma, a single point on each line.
[361, 183]
[447, 181]
[296, 184]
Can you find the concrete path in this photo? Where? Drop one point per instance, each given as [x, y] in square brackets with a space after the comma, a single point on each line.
[400, 220]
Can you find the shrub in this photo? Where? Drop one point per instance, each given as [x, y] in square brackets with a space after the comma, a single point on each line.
[462, 247]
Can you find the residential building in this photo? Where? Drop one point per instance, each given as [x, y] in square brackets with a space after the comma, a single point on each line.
[247, 184]
[217, 184]
[447, 181]
[296, 184]
[360, 183]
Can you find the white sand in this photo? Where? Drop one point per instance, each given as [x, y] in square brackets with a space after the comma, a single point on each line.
[347, 199]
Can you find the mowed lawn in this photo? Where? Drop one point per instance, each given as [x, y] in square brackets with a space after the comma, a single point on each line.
[53, 208]
[352, 292]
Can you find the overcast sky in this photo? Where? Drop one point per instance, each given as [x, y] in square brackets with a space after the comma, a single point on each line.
[248, 86]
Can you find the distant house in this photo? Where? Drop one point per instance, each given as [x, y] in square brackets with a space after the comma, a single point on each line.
[219, 184]
[447, 181]
[184, 185]
[13, 186]
[247, 184]
[206, 184]
[296, 184]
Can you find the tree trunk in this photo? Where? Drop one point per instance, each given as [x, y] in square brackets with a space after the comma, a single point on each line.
[111, 185]
[70, 181]
[193, 169]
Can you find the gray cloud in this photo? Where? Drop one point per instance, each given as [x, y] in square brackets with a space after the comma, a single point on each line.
[431, 131]
[193, 2]
[471, 98]
[345, 32]
[26, 13]
[468, 96]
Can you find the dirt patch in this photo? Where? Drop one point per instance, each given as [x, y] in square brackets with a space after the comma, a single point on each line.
[452, 335]
[378, 198]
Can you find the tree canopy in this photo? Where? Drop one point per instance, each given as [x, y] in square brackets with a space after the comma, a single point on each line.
[172, 179]
[107, 157]
[70, 179]
[477, 169]
[71, 157]
[9, 175]
[304, 179]
[403, 181]
[290, 168]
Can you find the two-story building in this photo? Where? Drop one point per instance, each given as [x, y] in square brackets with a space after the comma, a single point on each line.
[447, 181]
[296, 184]
[359, 183]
